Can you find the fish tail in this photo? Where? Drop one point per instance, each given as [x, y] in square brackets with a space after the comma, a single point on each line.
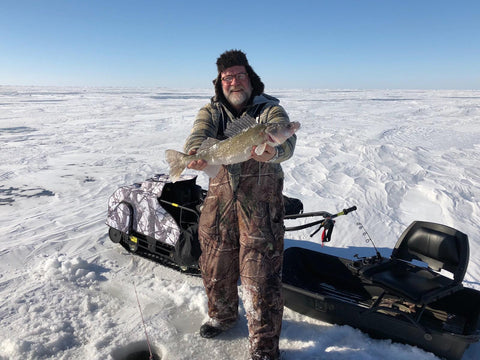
[176, 162]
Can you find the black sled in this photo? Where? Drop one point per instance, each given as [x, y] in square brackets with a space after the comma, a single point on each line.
[404, 298]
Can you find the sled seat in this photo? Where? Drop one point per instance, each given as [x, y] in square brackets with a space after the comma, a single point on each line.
[181, 199]
[438, 246]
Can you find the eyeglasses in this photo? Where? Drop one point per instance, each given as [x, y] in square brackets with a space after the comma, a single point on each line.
[239, 77]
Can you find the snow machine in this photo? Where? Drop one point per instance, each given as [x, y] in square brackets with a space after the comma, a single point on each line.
[158, 219]
[415, 296]
[407, 298]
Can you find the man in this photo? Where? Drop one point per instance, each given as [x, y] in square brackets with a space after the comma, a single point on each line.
[241, 224]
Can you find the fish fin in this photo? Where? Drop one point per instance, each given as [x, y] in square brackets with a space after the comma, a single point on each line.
[207, 143]
[175, 160]
[239, 125]
[212, 170]
[260, 149]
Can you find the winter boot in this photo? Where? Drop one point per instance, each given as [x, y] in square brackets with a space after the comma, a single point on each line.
[214, 328]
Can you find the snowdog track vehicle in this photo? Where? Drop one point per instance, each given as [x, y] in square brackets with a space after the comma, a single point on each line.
[158, 219]
[405, 298]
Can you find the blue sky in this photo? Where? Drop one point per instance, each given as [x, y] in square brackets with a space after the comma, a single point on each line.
[335, 44]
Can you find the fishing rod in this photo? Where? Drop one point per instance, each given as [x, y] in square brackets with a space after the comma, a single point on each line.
[368, 239]
[327, 222]
[179, 207]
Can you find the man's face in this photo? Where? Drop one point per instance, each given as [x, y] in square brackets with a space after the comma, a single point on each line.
[236, 86]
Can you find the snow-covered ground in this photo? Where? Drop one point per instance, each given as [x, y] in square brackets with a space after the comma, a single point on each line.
[67, 292]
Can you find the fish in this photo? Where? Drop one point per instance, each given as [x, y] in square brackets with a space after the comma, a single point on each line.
[242, 135]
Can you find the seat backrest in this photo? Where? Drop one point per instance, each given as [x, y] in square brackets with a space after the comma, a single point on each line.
[439, 246]
[186, 194]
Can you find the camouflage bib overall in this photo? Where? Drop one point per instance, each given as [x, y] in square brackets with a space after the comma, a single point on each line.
[241, 234]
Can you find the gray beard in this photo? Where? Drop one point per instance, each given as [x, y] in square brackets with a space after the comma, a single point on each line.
[238, 98]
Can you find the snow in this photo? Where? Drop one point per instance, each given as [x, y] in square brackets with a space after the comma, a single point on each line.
[68, 292]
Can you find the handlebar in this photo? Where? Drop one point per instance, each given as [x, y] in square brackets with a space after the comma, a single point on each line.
[350, 209]
[327, 223]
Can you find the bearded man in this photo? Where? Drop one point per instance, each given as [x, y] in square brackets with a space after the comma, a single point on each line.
[241, 224]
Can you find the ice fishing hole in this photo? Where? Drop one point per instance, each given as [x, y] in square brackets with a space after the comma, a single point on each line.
[136, 351]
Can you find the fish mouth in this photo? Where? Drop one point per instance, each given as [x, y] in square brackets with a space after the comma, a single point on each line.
[279, 133]
[273, 139]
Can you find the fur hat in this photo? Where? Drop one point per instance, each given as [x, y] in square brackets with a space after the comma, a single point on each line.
[231, 58]
[236, 58]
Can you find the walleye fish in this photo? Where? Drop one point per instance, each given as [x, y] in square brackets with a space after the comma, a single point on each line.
[243, 134]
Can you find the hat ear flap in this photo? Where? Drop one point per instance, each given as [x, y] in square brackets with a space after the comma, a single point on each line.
[257, 84]
[217, 83]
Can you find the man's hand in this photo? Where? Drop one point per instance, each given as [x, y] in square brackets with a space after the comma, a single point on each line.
[267, 155]
[196, 164]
